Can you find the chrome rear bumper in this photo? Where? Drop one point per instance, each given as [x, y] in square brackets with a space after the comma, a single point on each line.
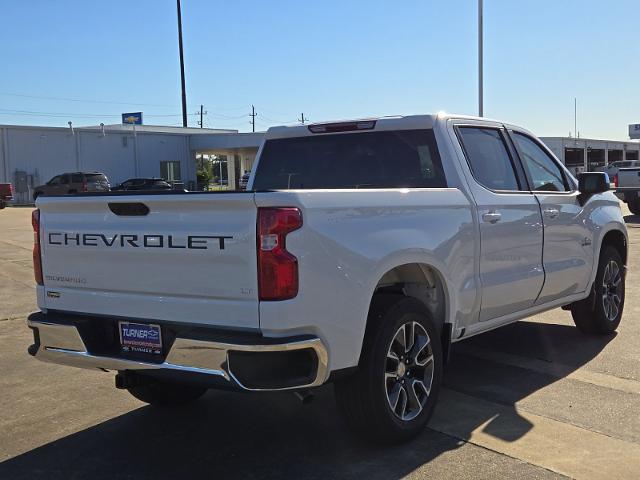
[63, 344]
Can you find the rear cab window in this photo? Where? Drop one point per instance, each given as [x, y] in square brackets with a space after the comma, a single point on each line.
[379, 159]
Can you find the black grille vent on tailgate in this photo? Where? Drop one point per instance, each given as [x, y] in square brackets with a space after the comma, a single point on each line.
[129, 209]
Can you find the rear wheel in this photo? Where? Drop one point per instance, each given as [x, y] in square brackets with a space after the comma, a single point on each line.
[2, 204]
[602, 310]
[166, 394]
[634, 206]
[391, 397]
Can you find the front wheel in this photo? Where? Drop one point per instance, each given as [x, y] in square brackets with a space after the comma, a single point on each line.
[392, 396]
[601, 311]
[166, 394]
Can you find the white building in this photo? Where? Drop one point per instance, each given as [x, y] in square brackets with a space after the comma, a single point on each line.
[30, 156]
[588, 154]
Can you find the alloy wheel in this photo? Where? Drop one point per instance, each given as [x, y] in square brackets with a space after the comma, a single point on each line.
[409, 371]
[612, 290]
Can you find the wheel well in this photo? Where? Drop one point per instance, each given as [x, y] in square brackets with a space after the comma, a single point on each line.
[617, 240]
[422, 282]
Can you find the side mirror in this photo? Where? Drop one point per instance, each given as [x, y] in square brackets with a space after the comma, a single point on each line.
[590, 183]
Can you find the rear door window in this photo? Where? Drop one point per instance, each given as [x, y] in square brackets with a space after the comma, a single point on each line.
[489, 158]
[95, 177]
[382, 159]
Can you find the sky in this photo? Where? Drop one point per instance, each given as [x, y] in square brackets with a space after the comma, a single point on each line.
[89, 61]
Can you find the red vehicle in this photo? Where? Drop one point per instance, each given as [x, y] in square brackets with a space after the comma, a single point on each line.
[6, 194]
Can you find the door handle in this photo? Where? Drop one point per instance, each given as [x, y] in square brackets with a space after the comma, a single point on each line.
[491, 217]
[551, 212]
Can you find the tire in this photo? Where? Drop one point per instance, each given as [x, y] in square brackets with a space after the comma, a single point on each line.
[3, 204]
[72, 192]
[367, 398]
[601, 311]
[166, 394]
[634, 206]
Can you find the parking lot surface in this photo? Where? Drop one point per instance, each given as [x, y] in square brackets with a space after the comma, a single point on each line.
[536, 399]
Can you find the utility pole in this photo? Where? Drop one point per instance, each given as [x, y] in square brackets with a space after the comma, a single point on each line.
[302, 119]
[253, 118]
[575, 117]
[184, 94]
[202, 112]
[480, 62]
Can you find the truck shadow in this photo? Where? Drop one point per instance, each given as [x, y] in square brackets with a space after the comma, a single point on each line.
[229, 435]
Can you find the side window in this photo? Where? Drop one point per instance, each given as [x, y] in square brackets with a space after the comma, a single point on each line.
[64, 179]
[55, 180]
[489, 158]
[76, 178]
[543, 170]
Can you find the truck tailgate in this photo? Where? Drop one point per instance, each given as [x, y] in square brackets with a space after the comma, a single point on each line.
[629, 177]
[191, 259]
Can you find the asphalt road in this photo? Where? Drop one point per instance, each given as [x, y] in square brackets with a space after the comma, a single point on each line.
[536, 399]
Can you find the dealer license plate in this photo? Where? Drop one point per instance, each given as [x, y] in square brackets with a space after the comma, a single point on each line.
[140, 337]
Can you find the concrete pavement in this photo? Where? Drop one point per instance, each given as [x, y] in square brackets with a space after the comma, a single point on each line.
[536, 399]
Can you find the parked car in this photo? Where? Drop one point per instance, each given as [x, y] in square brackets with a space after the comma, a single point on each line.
[244, 180]
[365, 250]
[143, 184]
[75, 182]
[613, 167]
[6, 194]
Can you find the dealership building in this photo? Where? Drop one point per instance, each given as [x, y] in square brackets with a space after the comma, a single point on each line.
[31, 155]
[589, 154]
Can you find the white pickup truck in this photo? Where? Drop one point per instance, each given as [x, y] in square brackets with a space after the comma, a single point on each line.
[627, 183]
[359, 253]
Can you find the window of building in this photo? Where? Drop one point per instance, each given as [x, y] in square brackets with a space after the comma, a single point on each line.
[489, 158]
[170, 171]
[615, 156]
[632, 154]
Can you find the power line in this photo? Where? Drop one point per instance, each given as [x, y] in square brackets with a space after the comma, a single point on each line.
[5, 111]
[66, 99]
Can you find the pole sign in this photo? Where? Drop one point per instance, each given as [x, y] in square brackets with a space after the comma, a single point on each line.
[634, 130]
[132, 118]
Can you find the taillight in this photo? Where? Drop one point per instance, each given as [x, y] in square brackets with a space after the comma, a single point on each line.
[37, 257]
[615, 180]
[277, 268]
[11, 190]
[84, 186]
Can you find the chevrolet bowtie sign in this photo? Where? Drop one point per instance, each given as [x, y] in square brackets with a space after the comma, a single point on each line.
[132, 118]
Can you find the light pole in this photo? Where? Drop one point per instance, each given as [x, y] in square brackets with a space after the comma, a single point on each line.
[184, 94]
[480, 73]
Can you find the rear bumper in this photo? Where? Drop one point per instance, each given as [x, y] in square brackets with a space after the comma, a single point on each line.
[250, 363]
